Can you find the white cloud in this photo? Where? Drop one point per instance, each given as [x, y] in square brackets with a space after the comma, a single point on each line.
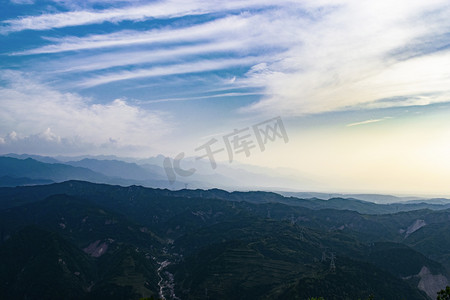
[222, 95]
[208, 30]
[159, 9]
[22, 1]
[12, 136]
[330, 55]
[349, 58]
[365, 122]
[48, 135]
[201, 66]
[127, 58]
[34, 113]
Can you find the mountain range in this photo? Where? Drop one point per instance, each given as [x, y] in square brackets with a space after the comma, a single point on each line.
[108, 228]
[108, 241]
[25, 169]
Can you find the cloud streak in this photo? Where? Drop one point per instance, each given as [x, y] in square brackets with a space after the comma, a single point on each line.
[196, 67]
[222, 95]
[346, 59]
[128, 58]
[123, 38]
[365, 122]
[160, 9]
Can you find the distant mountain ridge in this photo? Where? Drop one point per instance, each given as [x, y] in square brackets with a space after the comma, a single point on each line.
[375, 198]
[44, 159]
[150, 172]
[7, 181]
[120, 169]
[47, 173]
[57, 172]
[111, 170]
[12, 169]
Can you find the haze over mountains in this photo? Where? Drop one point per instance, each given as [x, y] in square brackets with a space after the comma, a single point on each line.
[103, 241]
[95, 228]
[98, 232]
[25, 169]
[148, 172]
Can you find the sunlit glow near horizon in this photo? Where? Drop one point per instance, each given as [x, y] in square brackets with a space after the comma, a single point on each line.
[363, 88]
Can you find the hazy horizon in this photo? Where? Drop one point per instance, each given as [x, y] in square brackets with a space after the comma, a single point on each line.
[230, 170]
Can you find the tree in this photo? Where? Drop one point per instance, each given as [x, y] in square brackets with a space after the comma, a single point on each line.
[444, 294]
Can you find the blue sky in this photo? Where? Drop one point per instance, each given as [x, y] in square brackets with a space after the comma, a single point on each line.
[352, 80]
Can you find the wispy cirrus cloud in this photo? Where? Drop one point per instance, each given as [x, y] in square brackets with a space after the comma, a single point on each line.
[159, 9]
[188, 68]
[127, 38]
[351, 58]
[21, 2]
[110, 60]
[221, 95]
[365, 122]
[309, 56]
[232, 36]
[86, 17]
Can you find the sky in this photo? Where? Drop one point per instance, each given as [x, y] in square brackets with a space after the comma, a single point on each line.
[361, 87]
